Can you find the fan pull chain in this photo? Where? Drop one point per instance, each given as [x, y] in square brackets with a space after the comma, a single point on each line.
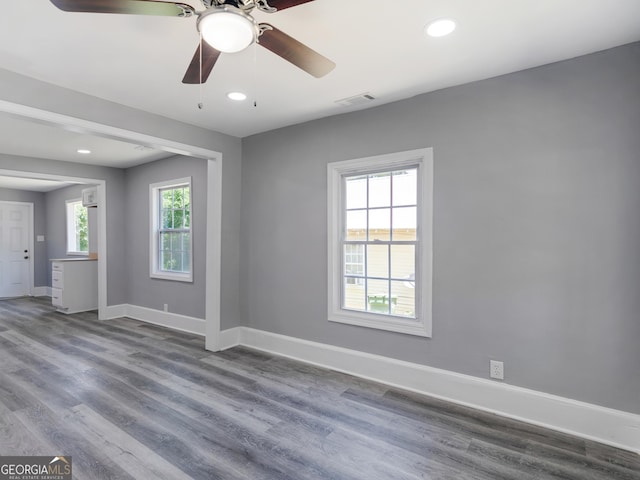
[200, 87]
[255, 71]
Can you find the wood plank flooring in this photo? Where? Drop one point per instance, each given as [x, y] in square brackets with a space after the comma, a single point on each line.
[128, 400]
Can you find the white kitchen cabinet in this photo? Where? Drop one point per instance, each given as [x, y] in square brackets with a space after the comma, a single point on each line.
[74, 284]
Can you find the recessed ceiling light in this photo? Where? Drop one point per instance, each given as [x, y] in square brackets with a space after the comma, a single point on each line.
[237, 96]
[84, 151]
[440, 27]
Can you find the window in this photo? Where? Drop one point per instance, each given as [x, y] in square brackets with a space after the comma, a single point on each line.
[77, 228]
[380, 211]
[171, 244]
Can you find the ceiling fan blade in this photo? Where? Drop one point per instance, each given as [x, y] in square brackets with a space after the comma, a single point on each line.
[282, 4]
[295, 52]
[209, 57]
[139, 7]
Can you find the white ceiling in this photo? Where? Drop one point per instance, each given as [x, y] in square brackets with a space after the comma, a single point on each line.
[378, 46]
[56, 143]
[32, 184]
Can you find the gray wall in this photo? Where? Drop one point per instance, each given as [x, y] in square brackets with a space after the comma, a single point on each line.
[40, 259]
[182, 297]
[536, 226]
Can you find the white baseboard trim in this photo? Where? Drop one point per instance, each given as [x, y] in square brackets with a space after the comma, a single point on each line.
[231, 337]
[612, 427]
[115, 311]
[176, 321]
[41, 291]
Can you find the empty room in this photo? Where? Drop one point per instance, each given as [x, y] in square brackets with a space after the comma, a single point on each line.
[318, 239]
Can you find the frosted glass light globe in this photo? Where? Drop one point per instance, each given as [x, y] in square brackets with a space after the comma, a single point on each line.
[227, 30]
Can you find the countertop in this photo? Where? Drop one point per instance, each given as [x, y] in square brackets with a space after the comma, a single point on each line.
[79, 259]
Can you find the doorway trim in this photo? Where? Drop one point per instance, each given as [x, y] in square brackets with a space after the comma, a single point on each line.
[214, 202]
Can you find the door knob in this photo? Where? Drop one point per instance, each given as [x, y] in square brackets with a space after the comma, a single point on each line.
[26, 257]
[26, 251]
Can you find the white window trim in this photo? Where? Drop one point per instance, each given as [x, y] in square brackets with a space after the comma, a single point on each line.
[422, 324]
[154, 271]
[71, 228]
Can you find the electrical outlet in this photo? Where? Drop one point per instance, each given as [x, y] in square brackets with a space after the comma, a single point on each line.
[166, 307]
[496, 369]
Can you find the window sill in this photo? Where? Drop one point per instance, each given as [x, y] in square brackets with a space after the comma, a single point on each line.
[381, 322]
[176, 277]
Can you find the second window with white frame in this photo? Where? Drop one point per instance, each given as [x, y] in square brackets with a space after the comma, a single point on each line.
[171, 240]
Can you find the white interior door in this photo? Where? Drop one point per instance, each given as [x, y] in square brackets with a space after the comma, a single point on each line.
[15, 254]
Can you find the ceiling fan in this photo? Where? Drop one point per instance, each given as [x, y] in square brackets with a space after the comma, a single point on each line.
[226, 26]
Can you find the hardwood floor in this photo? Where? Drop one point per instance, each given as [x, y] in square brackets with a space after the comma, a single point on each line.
[131, 400]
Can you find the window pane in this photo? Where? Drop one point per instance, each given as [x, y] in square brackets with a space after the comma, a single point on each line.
[166, 250]
[356, 225]
[403, 299]
[379, 224]
[176, 252]
[178, 218]
[356, 192]
[186, 259]
[187, 198]
[378, 261]
[178, 198]
[404, 223]
[165, 259]
[176, 260]
[403, 262]
[165, 241]
[354, 259]
[166, 218]
[187, 218]
[378, 296]
[171, 252]
[405, 187]
[379, 190]
[167, 198]
[354, 298]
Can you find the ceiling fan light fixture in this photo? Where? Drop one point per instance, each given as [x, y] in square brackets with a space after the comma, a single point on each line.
[227, 29]
[440, 27]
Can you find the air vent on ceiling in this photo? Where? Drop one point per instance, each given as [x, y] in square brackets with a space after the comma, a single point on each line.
[359, 99]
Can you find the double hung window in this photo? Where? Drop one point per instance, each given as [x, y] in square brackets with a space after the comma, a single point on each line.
[380, 242]
[171, 244]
